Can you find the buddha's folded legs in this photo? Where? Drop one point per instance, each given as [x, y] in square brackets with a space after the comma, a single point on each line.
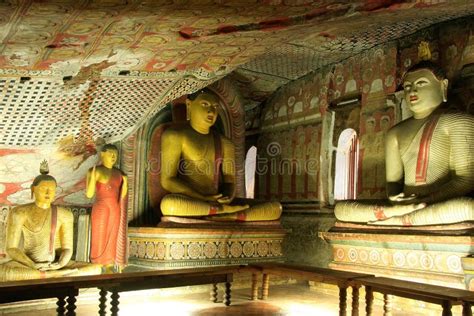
[15, 271]
[364, 212]
[267, 211]
[181, 205]
[448, 212]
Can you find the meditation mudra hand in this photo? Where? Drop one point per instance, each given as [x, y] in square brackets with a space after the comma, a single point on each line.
[429, 161]
[109, 214]
[193, 160]
[47, 233]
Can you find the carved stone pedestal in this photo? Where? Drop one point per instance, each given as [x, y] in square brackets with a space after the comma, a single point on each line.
[426, 257]
[174, 247]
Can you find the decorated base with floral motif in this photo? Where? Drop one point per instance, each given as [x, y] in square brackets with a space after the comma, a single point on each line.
[204, 245]
[419, 256]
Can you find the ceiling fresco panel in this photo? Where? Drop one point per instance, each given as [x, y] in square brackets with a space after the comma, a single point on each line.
[96, 70]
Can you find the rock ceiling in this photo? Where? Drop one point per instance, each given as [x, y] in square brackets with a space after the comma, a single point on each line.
[86, 70]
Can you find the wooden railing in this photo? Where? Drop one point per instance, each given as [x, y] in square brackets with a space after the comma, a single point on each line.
[67, 289]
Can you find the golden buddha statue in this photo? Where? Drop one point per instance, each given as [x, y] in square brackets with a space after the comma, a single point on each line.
[39, 238]
[194, 159]
[109, 211]
[429, 161]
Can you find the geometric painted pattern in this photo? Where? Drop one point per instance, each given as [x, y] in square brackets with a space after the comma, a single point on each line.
[167, 249]
[431, 259]
[399, 259]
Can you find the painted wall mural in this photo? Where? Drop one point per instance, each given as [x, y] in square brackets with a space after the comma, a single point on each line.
[19, 167]
[288, 164]
[374, 75]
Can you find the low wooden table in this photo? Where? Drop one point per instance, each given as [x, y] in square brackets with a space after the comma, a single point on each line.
[441, 295]
[115, 283]
[342, 279]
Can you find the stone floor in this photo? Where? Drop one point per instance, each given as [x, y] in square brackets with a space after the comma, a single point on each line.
[293, 299]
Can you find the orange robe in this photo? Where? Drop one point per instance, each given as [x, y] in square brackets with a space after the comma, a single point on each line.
[109, 222]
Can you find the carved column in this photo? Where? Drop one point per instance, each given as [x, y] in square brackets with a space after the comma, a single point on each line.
[102, 302]
[387, 304]
[265, 286]
[369, 300]
[227, 293]
[254, 286]
[342, 300]
[114, 301]
[213, 297]
[355, 300]
[61, 303]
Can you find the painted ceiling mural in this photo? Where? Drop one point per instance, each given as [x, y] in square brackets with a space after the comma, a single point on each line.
[76, 74]
[83, 71]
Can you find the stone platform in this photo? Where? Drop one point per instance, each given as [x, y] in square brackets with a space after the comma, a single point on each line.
[425, 256]
[175, 246]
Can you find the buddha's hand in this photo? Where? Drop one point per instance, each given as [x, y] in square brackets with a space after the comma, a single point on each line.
[224, 200]
[55, 266]
[41, 266]
[219, 198]
[401, 198]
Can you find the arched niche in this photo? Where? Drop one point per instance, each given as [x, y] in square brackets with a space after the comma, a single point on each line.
[148, 191]
[250, 168]
[347, 162]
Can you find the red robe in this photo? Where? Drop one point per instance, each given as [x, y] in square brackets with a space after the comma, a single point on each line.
[109, 222]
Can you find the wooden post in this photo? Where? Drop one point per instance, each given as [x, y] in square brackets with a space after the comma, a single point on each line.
[369, 300]
[466, 309]
[71, 305]
[254, 286]
[265, 286]
[227, 293]
[342, 300]
[214, 293]
[102, 302]
[114, 301]
[447, 308]
[61, 302]
[387, 304]
[355, 300]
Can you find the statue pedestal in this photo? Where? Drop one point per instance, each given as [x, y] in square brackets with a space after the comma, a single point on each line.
[420, 256]
[178, 246]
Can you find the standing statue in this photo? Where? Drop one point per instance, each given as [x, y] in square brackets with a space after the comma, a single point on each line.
[47, 234]
[194, 159]
[429, 160]
[109, 212]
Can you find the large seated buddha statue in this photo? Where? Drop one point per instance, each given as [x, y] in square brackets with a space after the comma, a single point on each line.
[429, 161]
[39, 238]
[198, 169]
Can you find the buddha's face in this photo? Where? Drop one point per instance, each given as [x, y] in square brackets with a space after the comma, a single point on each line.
[44, 192]
[203, 109]
[424, 92]
[109, 157]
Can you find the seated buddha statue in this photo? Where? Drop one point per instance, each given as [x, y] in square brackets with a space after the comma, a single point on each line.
[198, 169]
[429, 161]
[39, 238]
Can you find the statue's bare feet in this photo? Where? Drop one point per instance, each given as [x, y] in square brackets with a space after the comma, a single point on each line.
[233, 208]
[400, 210]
